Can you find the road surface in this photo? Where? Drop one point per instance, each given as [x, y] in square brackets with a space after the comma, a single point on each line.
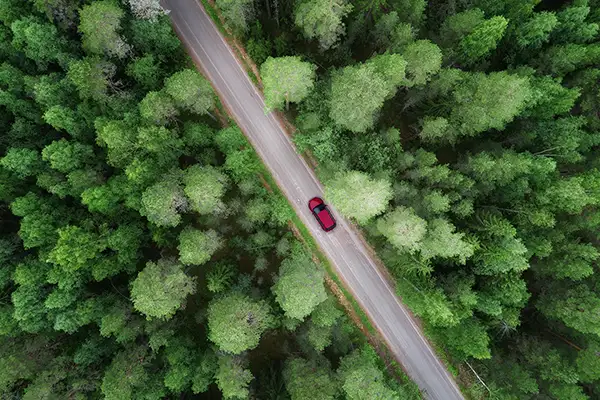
[299, 184]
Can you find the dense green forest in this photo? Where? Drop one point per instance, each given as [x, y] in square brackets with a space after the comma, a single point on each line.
[462, 136]
[141, 254]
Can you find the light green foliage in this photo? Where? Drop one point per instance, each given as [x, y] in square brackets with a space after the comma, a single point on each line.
[356, 195]
[536, 31]
[66, 156]
[559, 60]
[442, 241]
[146, 71]
[116, 384]
[100, 23]
[161, 288]
[285, 80]
[403, 228]
[157, 107]
[322, 20]
[410, 11]
[160, 141]
[162, 202]
[434, 129]
[92, 77]
[319, 337]
[499, 251]
[481, 102]
[362, 379]
[423, 59]
[62, 118]
[76, 247]
[237, 13]
[588, 362]
[233, 378]
[549, 97]
[40, 42]
[482, 40]
[220, 277]
[575, 306]
[190, 91]
[467, 339]
[197, 247]
[312, 379]
[459, 25]
[205, 371]
[236, 322]
[299, 288]
[22, 162]
[357, 93]
[572, 26]
[205, 187]
[121, 141]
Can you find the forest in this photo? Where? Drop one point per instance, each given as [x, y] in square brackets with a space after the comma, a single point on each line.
[462, 137]
[142, 255]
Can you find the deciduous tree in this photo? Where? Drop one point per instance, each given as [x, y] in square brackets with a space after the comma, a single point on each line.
[160, 289]
[322, 20]
[197, 247]
[285, 80]
[359, 196]
[236, 322]
[299, 288]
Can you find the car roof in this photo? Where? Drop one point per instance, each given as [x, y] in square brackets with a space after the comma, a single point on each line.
[326, 218]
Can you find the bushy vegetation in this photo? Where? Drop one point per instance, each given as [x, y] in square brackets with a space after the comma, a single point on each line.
[463, 137]
[141, 257]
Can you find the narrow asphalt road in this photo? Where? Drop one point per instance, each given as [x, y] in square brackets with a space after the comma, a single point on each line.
[298, 182]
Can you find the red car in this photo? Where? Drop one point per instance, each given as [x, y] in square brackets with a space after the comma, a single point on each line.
[321, 213]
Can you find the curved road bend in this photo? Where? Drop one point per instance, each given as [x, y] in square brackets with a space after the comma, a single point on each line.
[298, 182]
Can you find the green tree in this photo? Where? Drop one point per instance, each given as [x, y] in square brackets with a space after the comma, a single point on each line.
[588, 362]
[162, 202]
[358, 92]
[574, 305]
[39, 42]
[442, 241]
[572, 26]
[197, 247]
[482, 40]
[146, 71]
[22, 162]
[309, 379]
[99, 24]
[160, 289]
[481, 102]
[232, 377]
[403, 228]
[76, 247]
[467, 339]
[157, 107]
[358, 196]
[237, 13]
[190, 91]
[299, 288]
[322, 20]
[362, 379]
[536, 31]
[423, 59]
[285, 80]
[66, 156]
[92, 77]
[236, 322]
[205, 186]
